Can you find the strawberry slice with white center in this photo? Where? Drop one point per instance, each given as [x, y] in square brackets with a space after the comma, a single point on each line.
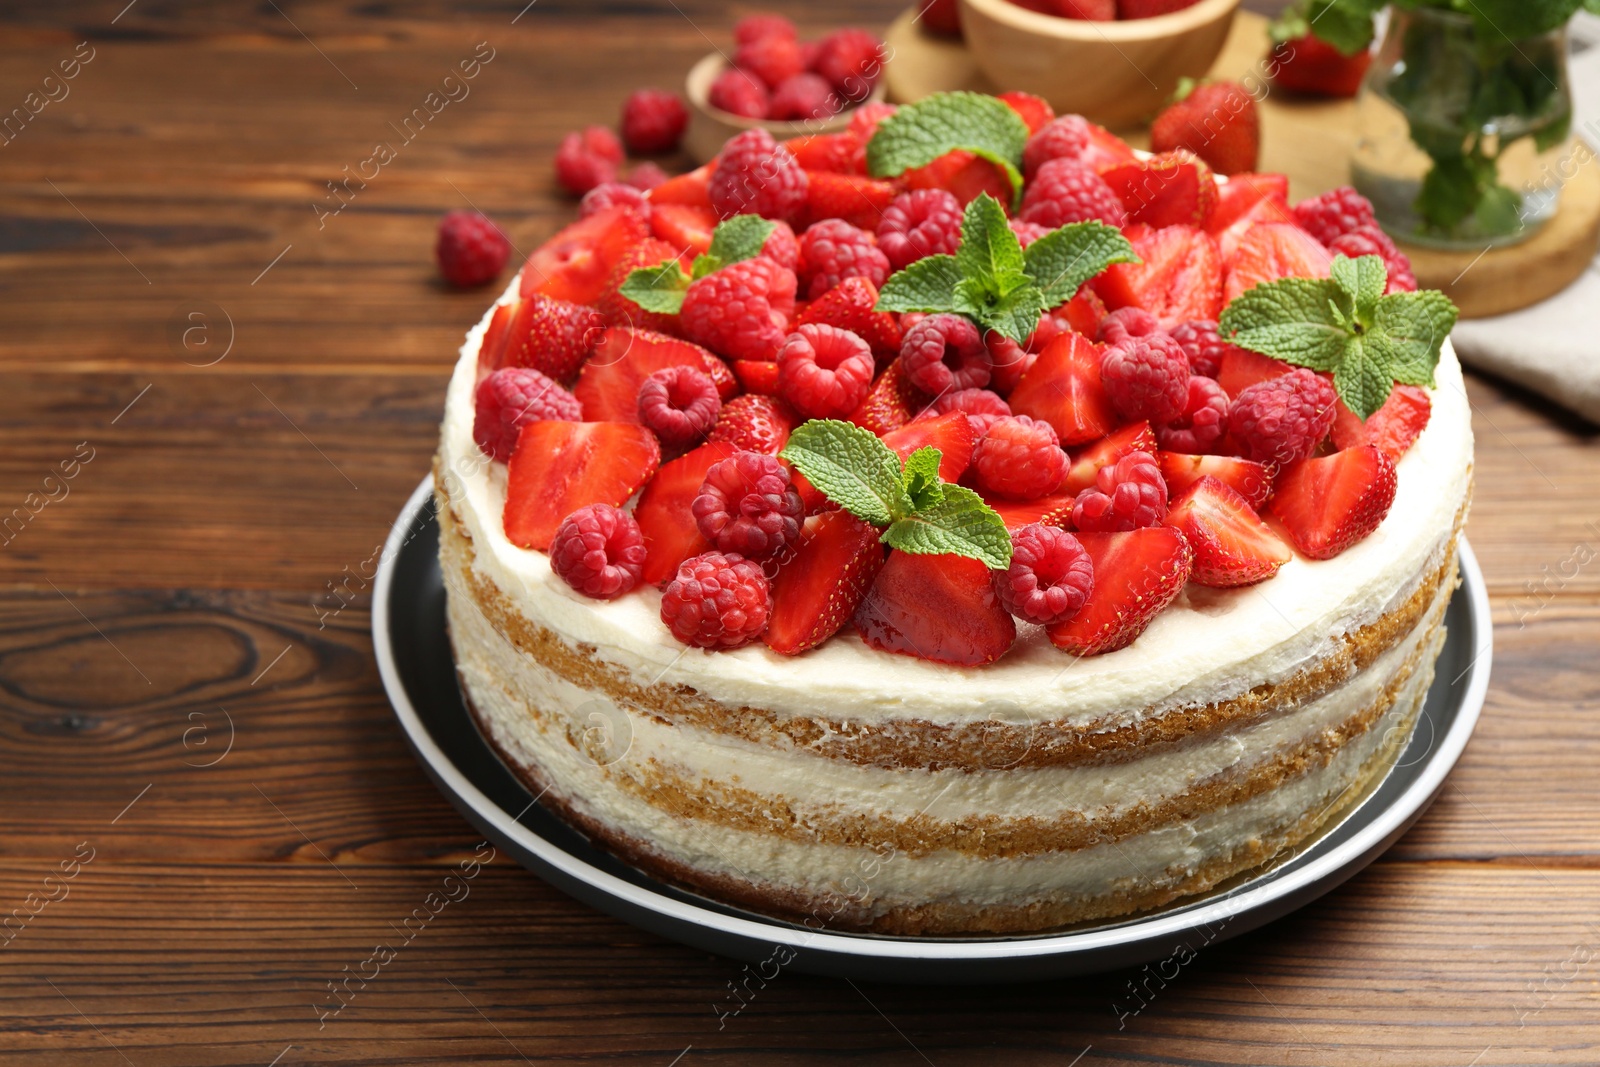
[608, 386]
[1249, 479]
[1328, 503]
[1134, 437]
[1178, 277]
[1232, 546]
[1137, 573]
[1393, 427]
[1064, 388]
[819, 588]
[1271, 251]
[559, 467]
[936, 607]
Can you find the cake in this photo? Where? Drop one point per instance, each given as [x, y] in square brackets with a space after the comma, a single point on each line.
[925, 768]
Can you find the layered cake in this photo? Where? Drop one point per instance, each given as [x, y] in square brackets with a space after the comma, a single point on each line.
[792, 563]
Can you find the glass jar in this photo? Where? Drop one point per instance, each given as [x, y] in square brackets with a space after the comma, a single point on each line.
[1461, 132]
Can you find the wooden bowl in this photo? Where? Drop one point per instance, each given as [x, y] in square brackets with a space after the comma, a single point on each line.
[1113, 73]
[710, 127]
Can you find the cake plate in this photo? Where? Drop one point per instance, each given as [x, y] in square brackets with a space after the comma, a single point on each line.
[414, 658]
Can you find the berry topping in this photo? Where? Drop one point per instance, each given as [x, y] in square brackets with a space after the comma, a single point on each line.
[892, 403]
[1392, 427]
[1249, 479]
[982, 407]
[1136, 574]
[772, 57]
[1170, 189]
[1232, 546]
[1033, 110]
[1019, 458]
[852, 198]
[1147, 378]
[1124, 323]
[560, 466]
[1134, 437]
[1371, 241]
[680, 404]
[508, 400]
[1202, 344]
[1050, 578]
[1178, 277]
[471, 250]
[576, 263]
[741, 311]
[1128, 495]
[944, 352]
[587, 158]
[1283, 419]
[747, 504]
[833, 250]
[754, 27]
[936, 607]
[1064, 388]
[1334, 213]
[951, 433]
[1009, 361]
[617, 309]
[647, 176]
[824, 372]
[755, 423]
[610, 382]
[665, 511]
[1203, 422]
[819, 588]
[1027, 232]
[852, 61]
[1064, 138]
[1217, 121]
[1054, 510]
[1328, 503]
[757, 175]
[758, 376]
[849, 306]
[599, 551]
[1272, 251]
[921, 223]
[552, 336]
[1064, 191]
[740, 94]
[653, 121]
[612, 194]
[1242, 368]
[717, 600]
[804, 96]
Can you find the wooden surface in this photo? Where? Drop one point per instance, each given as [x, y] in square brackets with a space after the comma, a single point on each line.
[184, 583]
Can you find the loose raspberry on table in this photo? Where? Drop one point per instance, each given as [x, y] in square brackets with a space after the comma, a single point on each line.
[824, 372]
[1124, 323]
[1066, 137]
[1203, 344]
[1203, 422]
[1065, 191]
[741, 311]
[717, 600]
[471, 250]
[653, 121]
[748, 504]
[983, 408]
[1146, 378]
[1283, 419]
[804, 96]
[1128, 495]
[1368, 240]
[587, 158]
[599, 551]
[1050, 578]
[1020, 458]
[833, 250]
[754, 27]
[680, 404]
[646, 176]
[782, 246]
[944, 352]
[509, 399]
[740, 94]
[1028, 232]
[852, 60]
[925, 222]
[773, 58]
[1337, 211]
[757, 175]
[612, 194]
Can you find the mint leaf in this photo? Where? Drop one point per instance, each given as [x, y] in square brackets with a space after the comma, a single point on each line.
[1364, 279]
[1345, 24]
[659, 288]
[740, 238]
[852, 468]
[1409, 330]
[920, 133]
[927, 285]
[1062, 260]
[961, 524]
[990, 252]
[921, 478]
[1297, 320]
[1016, 315]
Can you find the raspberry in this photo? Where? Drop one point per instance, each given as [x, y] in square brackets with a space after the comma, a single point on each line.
[833, 250]
[587, 158]
[680, 404]
[717, 600]
[1203, 422]
[1020, 458]
[509, 399]
[741, 311]
[1064, 191]
[748, 505]
[1128, 495]
[1203, 345]
[824, 372]
[852, 60]
[599, 551]
[864, 122]
[1146, 378]
[471, 250]
[1282, 419]
[925, 222]
[653, 121]
[756, 175]
[1337, 211]
[1368, 240]
[1125, 323]
[1051, 575]
[1028, 232]
[1009, 361]
[782, 246]
[772, 58]
[611, 194]
[740, 94]
[754, 27]
[982, 407]
[944, 352]
[1064, 138]
[804, 96]
[646, 176]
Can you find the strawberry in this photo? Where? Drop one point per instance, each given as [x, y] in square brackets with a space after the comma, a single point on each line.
[951, 433]
[692, 189]
[858, 200]
[575, 263]
[848, 306]
[1170, 189]
[755, 423]
[664, 511]
[687, 229]
[1217, 121]
[1251, 480]
[822, 584]
[1392, 427]
[1034, 110]
[1273, 251]
[1265, 210]
[1241, 368]
[1134, 437]
[833, 153]
[1085, 311]
[1328, 503]
[492, 349]
[551, 336]
[1048, 510]
[1308, 64]
[1240, 193]
[757, 376]
[1063, 388]
[1105, 150]
[892, 402]
[618, 309]
[963, 175]
[1088, 10]
[1137, 573]
[1232, 546]
[1178, 279]
[608, 387]
[559, 467]
[721, 377]
[812, 500]
[936, 607]
[1149, 9]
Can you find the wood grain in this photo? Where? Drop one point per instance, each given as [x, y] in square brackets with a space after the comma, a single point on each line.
[187, 581]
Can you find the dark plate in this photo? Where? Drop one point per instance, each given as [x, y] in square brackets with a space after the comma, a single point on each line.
[408, 629]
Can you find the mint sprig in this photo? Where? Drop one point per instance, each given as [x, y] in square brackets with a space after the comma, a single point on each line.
[920, 133]
[920, 513]
[1346, 325]
[992, 281]
[661, 288]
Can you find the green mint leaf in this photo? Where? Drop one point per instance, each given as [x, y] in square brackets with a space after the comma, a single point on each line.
[1409, 331]
[921, 478]
[1345, 24]
[1016, 315]
[990, 251]
[1303, 321]
[852, 468]
[920, 133]
[705, 263]
[961, 524]
[1364, 280]
[1062, 260]
[1361, 380]
[740, 238]
[928, 285]
[659, 288]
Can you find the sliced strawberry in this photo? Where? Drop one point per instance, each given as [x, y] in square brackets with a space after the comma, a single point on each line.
[1085, 311]
[1134, 437]
[819, 588]
[685, 228]
[1178, 278]
[1272, 251]
[1170, 189]
[1241, 367]
[608, 386]
[1047, 510]
[892, 403]
[757, 376]
[722, 377]
[1240, 193]
[964, 175]
[833, 153]
[1392, 427]
[664, 511]
[1106, 150]
[848, 306]
[812, 499]
[1232, 546]
[951, 433]
[936, 607]
[692, 189]
[1136, 575]
[754, 423]
[575, 263]
[492, 349]
[1035, 111]
[559, 467]
[1328, 503]
[1249, 479]
[1063, 388]
[1260, 213]
[858, 200]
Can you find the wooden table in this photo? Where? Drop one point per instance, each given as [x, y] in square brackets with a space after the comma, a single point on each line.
[202, 567]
